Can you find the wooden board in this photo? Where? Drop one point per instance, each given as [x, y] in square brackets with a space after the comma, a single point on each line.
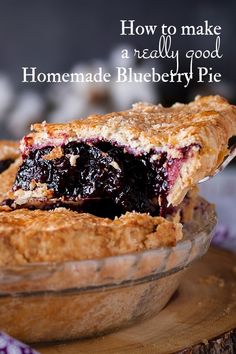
[201, 315]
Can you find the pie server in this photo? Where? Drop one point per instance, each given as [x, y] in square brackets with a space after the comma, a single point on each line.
[227, 160]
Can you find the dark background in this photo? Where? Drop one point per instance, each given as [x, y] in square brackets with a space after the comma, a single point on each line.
[55, 34]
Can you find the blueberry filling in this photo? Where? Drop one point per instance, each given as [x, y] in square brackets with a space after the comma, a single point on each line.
[4, 164]
[100, 178]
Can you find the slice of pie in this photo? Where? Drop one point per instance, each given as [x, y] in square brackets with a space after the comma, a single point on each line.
[144, 159]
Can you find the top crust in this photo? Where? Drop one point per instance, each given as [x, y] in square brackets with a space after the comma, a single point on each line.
[209, 121]
[206, 124]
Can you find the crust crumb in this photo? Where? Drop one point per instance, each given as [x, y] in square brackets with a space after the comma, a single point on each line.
[56, 153]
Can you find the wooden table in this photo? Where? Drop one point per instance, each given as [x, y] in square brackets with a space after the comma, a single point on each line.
[200, 316]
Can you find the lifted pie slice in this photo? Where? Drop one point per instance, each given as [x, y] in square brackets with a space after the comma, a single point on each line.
[144, 159]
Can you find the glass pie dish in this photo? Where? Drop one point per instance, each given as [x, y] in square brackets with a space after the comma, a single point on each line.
[77, 299]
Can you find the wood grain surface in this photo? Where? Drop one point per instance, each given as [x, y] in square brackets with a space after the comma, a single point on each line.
[200, 317]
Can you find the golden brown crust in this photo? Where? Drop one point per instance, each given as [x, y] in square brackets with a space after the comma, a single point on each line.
[206, 124]
[53, 236]
[148, 126]
[9, 149]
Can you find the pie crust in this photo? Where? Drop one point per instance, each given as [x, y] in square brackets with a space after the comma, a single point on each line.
[58, 235]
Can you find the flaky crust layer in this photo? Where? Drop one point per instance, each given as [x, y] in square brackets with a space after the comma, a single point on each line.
[146, 126]
[59, 235]
[206, 124]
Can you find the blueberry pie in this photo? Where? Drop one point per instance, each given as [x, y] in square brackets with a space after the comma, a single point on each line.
[144, 159]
